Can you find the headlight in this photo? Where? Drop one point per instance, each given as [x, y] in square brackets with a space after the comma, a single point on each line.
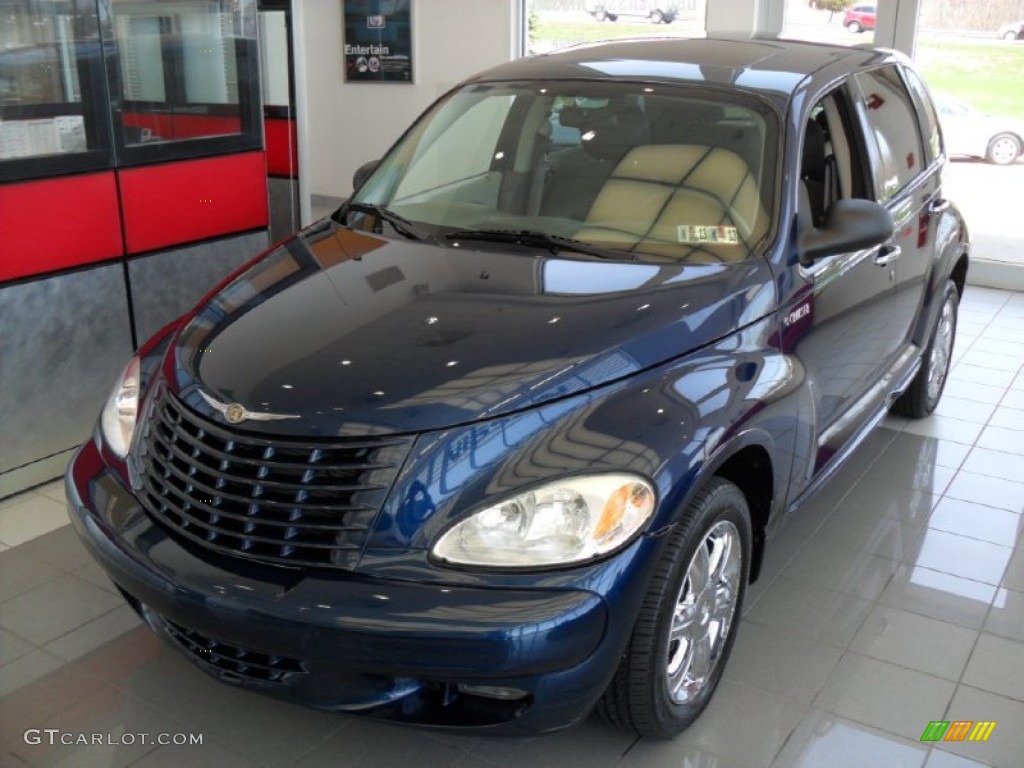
[121, 410]
[567, 521]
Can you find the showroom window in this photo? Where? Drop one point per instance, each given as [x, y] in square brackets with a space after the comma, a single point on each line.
[51, 90]
[554, 24]
[82, 89]
[186, 70]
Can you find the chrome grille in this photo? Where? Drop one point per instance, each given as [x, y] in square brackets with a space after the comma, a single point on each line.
[248, 665]
[265, 498]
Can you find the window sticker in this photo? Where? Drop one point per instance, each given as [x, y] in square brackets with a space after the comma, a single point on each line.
[707, 235]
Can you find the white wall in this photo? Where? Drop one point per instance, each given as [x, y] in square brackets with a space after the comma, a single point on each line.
[745, 17]
[341, 125]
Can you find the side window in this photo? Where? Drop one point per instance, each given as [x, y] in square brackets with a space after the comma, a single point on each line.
[462, 150]
[832, 160]
[929, 119]
[893, 123]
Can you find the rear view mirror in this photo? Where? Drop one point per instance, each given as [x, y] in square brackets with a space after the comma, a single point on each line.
[363, 173]
[850, 225]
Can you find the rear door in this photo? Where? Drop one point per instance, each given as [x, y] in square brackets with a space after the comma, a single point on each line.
[908, 173]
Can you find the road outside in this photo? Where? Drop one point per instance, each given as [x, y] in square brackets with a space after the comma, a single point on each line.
[990, 198]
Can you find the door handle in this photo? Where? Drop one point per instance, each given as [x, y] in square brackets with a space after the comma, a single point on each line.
[939, 205]
[887, 254]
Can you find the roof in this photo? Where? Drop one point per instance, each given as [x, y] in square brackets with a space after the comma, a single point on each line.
[773, 67]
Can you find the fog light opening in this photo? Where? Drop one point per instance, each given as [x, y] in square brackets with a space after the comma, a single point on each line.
[500, 692]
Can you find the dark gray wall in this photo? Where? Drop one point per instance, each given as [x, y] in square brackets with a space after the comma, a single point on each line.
[168, 284]
[284, 207]
[65, 338]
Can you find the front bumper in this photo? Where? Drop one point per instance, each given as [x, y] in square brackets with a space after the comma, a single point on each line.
[504, 659]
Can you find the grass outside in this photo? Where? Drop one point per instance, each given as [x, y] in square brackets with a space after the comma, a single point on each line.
[986, 75]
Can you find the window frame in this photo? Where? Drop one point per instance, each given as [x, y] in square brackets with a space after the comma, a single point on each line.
[91, 106]
[249, 112]
[102, 106]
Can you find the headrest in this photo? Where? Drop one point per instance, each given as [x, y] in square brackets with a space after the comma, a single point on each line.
[677, 122]
[813, 160]
[613, 132]
[573, 117]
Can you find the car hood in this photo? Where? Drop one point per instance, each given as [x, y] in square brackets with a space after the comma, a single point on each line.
[347, 333]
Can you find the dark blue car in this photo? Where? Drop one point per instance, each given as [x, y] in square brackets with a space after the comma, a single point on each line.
[502, 441]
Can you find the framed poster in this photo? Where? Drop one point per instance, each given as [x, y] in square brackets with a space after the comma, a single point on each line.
[378, 41]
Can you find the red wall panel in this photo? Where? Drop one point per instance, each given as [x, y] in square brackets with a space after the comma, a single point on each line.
[193, 200]
[282, 147]
[58, 223]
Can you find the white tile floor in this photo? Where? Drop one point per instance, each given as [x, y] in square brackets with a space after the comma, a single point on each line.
[895, 598]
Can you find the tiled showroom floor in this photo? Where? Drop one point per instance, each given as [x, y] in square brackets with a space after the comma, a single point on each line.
[894, 598]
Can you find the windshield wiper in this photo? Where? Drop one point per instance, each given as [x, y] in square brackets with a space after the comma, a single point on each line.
[400, 224]
[532, 238]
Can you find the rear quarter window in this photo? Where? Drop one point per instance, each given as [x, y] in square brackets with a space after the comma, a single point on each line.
[926, 109]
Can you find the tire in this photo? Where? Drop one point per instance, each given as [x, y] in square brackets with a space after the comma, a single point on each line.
[925, 391]
[612, 17]
[657, 17]
[655, 691]
[1010, 36]
[600, 15]
[1004, 149]
[855, 27]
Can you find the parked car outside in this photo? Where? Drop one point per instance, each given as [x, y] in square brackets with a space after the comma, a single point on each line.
[502, 441]
[1012, 31]
[967, 131]
[657, 11]
[859, 18]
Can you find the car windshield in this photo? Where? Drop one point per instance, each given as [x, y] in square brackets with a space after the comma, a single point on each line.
[623, 170]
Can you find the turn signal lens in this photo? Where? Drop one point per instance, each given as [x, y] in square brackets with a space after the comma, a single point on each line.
[627, 503]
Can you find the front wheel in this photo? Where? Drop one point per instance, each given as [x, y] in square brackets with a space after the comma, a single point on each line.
[686, 626]
[1010, 36]
[657, 17]
[600, 15]
[855, 27]
[924, 392]
[1003, 149]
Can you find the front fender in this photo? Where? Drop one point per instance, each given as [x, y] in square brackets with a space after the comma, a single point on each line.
[675, 424]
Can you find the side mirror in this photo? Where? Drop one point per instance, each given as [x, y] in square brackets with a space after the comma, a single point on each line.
[363, 173]
[849, 226]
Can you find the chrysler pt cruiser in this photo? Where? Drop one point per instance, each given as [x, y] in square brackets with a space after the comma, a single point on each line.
[502, 441]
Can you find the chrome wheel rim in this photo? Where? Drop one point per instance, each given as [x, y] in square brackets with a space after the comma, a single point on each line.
[703, 612]
[1004, 150]
[942, 348]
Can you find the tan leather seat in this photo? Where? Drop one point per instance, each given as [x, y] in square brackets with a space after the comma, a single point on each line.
[681, 202]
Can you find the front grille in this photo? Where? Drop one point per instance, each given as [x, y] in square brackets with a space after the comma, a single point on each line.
[251, 666]
[264, 498]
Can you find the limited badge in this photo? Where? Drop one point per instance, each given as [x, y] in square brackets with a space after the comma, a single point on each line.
[698, 234]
